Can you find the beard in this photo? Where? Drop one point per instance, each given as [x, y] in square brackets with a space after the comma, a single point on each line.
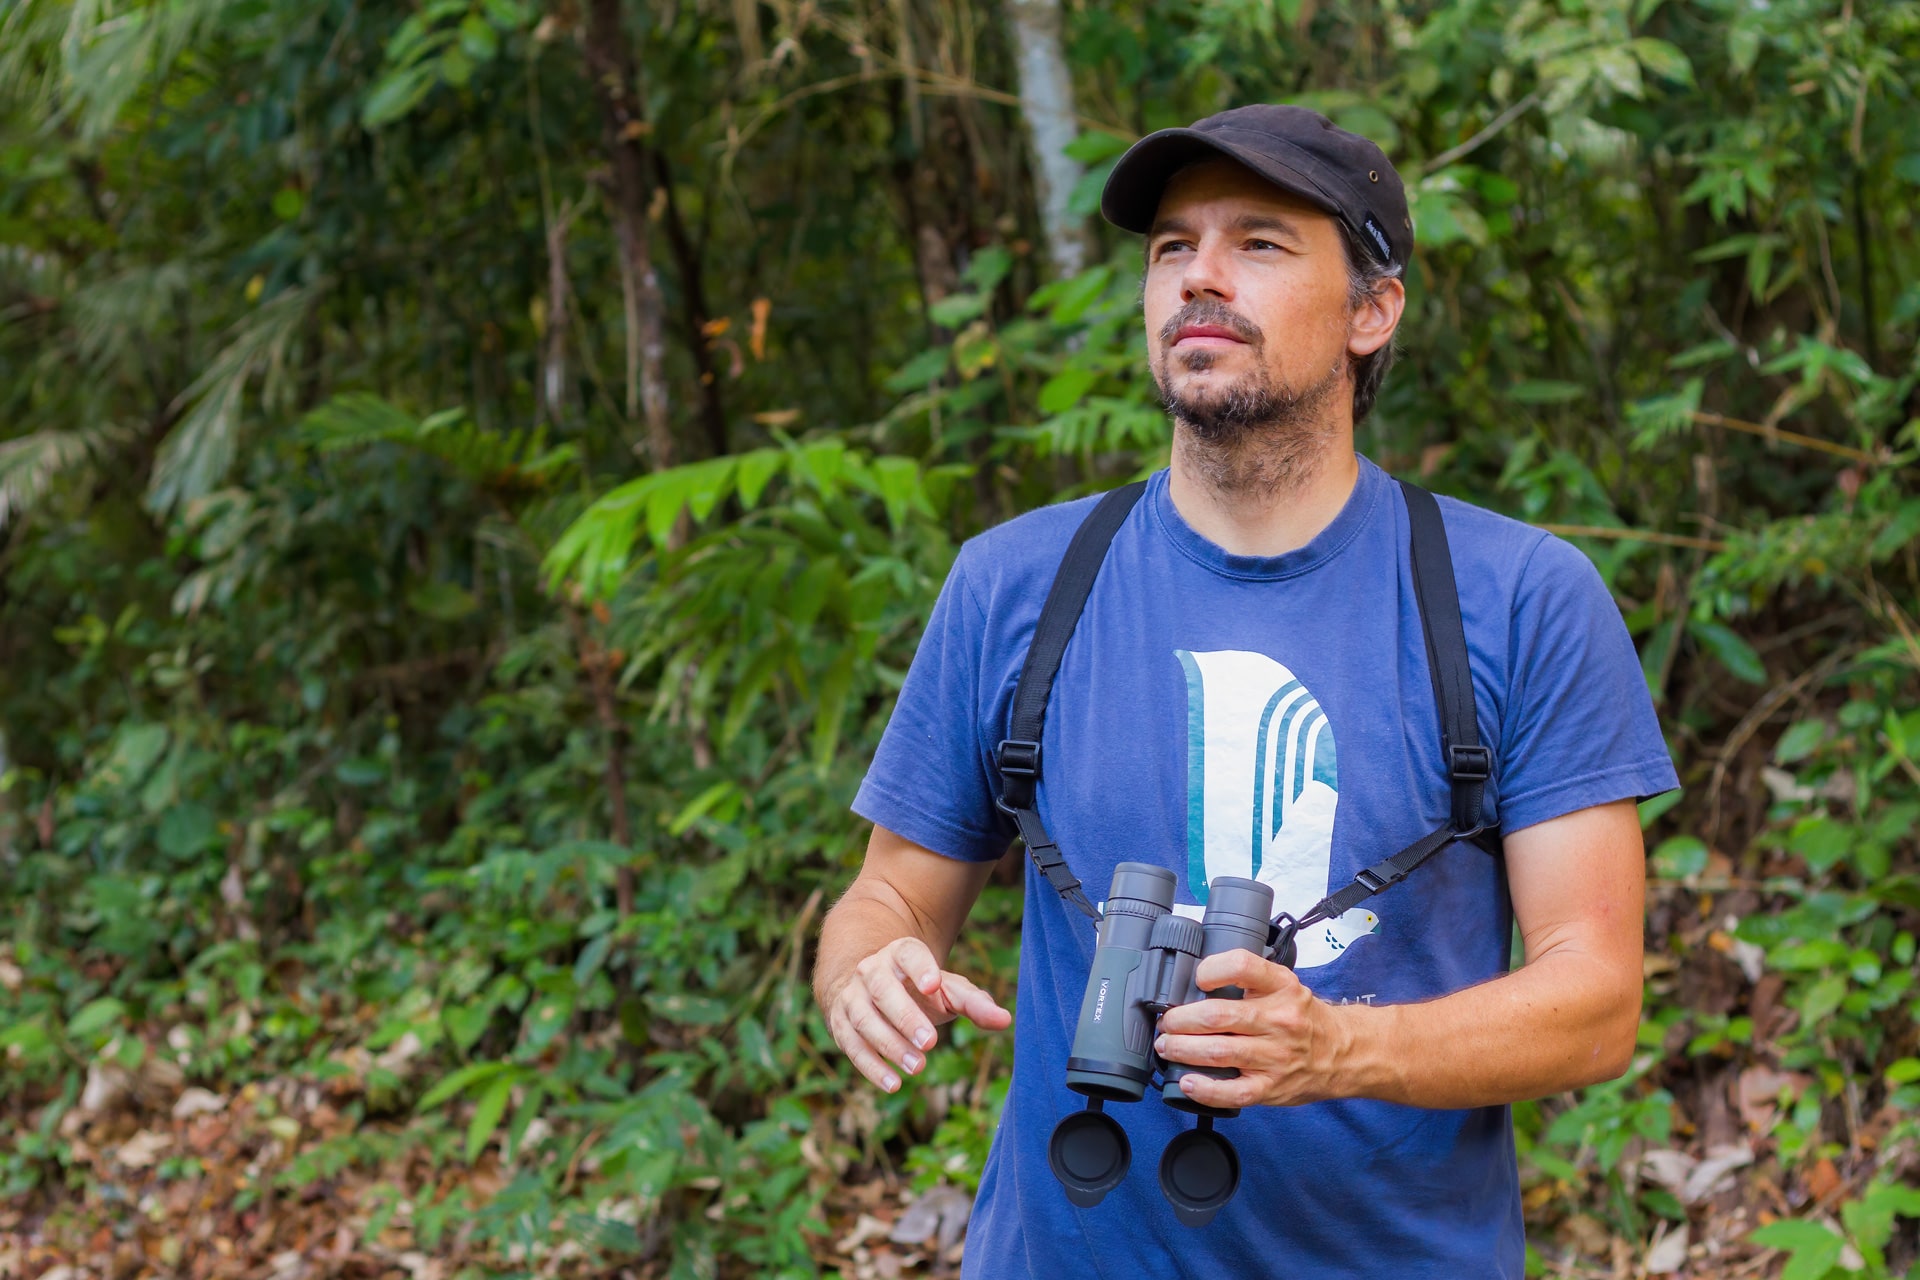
[1256, 432]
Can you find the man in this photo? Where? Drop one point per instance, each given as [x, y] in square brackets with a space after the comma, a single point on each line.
[1248, 693]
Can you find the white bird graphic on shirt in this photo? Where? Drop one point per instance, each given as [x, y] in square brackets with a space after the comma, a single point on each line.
[1262, 789]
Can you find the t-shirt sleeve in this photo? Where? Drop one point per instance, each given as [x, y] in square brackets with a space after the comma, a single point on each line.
[1579, 727]
[929, 779]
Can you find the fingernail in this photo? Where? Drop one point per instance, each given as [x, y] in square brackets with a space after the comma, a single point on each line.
[1187, 1084]
[924, 1038]
[890, 1083]
[1160, 1045]
[911, 1062]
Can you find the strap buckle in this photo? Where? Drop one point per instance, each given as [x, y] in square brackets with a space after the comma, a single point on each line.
[1019, 758]
[1466, 764]
[1382, 875]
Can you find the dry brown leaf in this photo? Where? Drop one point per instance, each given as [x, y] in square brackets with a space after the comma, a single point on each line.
[1667, 1251]
[1823, 1179]
[143, 1150]
[198, 1102]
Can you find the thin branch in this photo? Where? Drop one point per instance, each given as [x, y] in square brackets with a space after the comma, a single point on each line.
[1480, 139]
[934, 82]
[1632, 535]
[1790, 437]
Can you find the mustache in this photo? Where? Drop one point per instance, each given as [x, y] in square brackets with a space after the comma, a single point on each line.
[1211, 311]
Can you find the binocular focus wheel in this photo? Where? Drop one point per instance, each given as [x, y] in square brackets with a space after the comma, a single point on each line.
[1199, 1172]
[1089, 1154]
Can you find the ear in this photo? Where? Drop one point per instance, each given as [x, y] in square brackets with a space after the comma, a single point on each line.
[1372, 325]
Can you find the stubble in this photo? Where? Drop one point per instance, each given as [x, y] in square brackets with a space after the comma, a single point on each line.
[1255, 436]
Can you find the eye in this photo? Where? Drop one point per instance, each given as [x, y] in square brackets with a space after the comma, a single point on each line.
[1261, 244]
[1166, 247]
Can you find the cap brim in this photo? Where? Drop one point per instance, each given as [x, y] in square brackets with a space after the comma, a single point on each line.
[1131, 197]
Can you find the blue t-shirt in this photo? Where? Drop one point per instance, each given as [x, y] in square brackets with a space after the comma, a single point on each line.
[1269, 717]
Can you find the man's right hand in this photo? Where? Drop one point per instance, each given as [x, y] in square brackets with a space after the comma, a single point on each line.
[887, 1009]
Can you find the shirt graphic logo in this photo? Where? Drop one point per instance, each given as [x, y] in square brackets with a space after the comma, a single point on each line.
[1262, 786]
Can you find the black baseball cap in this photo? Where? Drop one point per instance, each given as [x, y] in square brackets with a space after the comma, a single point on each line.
[1295, 149]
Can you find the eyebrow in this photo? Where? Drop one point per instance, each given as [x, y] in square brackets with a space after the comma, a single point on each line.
[1244, 223]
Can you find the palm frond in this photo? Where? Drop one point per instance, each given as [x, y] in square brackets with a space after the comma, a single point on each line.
[114, 317]
[110, 52]
[30, 464]
[515, 460]
[197, 453]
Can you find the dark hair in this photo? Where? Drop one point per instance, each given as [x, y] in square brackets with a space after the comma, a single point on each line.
[1365, 275]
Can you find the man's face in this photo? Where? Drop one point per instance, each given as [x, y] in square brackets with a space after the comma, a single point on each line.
[1246, 305]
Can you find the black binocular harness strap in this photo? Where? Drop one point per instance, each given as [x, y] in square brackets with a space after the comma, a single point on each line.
[1019, 753]
[1469, 763]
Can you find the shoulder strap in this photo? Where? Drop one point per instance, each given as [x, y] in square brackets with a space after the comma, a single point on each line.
[1469, 763]
[1019, 754]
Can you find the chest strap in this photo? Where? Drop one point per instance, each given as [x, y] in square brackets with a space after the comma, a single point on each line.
[1469, 762]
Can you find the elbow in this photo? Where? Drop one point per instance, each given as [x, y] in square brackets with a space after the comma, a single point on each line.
[1616, 1035]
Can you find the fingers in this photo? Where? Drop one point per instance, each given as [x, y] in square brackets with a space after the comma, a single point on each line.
[914, 964]
[905, 1017]
[1243, 1091]
[1208, 1051]
[1210, 1017]
[1245, 970]
[865, 1060]
[967, 999]
[884, 1016]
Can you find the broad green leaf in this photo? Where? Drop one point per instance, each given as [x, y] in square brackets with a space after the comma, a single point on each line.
[1813, 1249]
[478, 38]
[1680, 857]
[459, 1082]
[1800, 740]
[1064, 389]
[1068, 300]
[1547, 391]
[1663, 59]
[397, 94]
[1732, 652]
[898, 480]
[1096, 145]
[486, 1115]
[701, 805]
[919, 371]
[956, 309]
[1823, 998]
[96, 1016]
[831, 708]
[987, 268]
[185, 829]
[442, 600]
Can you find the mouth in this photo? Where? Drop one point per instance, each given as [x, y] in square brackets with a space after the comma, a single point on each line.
[1208, 335]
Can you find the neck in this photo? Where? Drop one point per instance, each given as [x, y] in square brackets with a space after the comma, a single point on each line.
[1261, 496]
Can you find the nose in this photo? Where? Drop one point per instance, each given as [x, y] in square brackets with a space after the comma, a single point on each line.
[1206, 272]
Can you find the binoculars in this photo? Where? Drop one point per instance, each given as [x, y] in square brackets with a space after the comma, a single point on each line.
[1143, 965]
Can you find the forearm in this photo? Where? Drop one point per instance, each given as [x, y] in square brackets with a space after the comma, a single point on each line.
[1564, 1020]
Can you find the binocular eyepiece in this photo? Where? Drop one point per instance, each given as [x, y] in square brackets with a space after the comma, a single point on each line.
[1143, 965]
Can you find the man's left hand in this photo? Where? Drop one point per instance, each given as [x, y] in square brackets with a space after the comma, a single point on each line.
[1285, 1043]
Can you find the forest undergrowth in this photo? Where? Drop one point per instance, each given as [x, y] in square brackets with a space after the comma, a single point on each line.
[472, 477]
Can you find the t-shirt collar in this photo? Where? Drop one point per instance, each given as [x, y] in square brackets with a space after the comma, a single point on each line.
[1328, 543]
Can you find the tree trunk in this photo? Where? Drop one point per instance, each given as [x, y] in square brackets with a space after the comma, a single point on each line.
[1046, 103]
[693, 306]
[610, 63]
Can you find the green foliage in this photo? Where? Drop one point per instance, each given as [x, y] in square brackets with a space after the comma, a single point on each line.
[376, 721]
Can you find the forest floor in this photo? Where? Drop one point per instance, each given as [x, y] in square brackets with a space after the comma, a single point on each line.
[281, 1181]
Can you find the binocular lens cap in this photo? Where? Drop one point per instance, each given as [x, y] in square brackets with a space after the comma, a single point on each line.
[1199, 1172]
[1090, 1154]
